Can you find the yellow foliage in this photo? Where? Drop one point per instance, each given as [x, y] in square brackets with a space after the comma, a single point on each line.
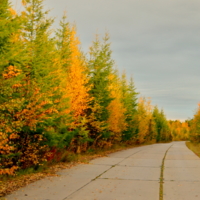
[116, 121]
[15, 37]
[195, 126]
[77, 91]
[144, 118]
[12, 11]
[24, 2]
[180, 130]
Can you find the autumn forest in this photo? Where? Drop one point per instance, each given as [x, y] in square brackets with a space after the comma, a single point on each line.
[56, 98]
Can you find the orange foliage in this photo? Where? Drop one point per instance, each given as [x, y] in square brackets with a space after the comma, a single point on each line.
[17, 113]
[77, 91]
[180, 130]
[12, 11]
[11, 72]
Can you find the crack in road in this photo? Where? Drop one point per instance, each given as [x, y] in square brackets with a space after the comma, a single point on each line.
[100, 175]
[162, 175]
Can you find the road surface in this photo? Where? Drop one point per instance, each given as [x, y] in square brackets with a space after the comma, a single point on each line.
[132, 174]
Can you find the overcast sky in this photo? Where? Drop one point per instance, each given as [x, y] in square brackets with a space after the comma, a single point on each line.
[155, 41]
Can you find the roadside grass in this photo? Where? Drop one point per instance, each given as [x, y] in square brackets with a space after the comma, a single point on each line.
[195, 147]
[9, 184]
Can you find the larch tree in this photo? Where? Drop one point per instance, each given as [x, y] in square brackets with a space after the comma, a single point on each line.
[100, 66]
[145, 121]
[78, 87]
[195, 127]
[163, 132]
[11, 53]
[74, 83]
[38, 94]
[129, 100]
[116, 121]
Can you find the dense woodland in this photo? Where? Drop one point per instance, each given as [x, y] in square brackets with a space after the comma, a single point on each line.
[55, 98]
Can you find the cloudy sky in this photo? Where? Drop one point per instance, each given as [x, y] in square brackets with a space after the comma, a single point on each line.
[155, 41]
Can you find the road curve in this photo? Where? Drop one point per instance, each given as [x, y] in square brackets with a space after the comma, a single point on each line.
[132, 174]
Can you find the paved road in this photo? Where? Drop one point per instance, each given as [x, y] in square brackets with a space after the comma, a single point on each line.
[132, 174]
[182, 174]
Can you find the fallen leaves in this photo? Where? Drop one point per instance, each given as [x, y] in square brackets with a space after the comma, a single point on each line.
[11, 184]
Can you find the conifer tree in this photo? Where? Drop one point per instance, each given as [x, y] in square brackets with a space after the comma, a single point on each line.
[162, 126]
[146, 126]
[100, 66]
[10, 22]
[195, 127]
[63, 36]
[11, 54]
[74, 82]
[39, 46]
[116, 121]
[35, 105]
[77, 83]
[129, 100]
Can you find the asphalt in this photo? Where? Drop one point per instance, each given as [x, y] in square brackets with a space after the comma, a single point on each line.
[132, 174]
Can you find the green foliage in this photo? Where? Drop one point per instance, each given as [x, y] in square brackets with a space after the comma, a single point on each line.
[100, 66]
[195, 127]
[10, 85]
[44, 71]
[39, 46]
[162, 126]
[10, 45]
[129, 100]
[63, 35]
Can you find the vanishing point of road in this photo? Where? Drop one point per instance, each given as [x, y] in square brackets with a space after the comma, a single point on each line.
[160, 171]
